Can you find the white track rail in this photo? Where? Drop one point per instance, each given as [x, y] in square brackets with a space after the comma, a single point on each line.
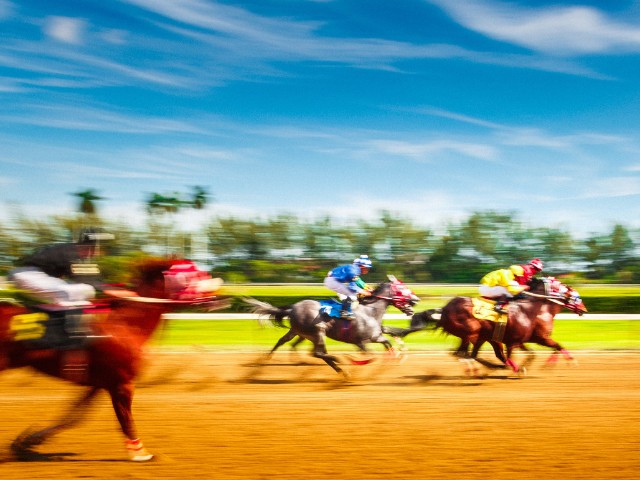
[389, 316]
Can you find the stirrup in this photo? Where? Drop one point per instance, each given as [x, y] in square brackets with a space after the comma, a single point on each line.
[500, 308]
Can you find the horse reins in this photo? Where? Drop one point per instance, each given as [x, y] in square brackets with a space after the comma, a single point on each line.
[545, 297]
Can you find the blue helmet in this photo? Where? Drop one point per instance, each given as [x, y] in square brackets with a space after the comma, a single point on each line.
[363, 261]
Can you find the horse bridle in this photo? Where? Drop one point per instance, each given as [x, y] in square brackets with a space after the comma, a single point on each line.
[398, 299]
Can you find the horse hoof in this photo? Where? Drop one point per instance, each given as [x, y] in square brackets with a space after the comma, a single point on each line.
[137, 451]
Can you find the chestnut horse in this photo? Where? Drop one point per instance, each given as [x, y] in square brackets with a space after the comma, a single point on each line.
[113, 354]
[530, 320]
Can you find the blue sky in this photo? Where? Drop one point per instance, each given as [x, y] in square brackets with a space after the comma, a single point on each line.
[429, 108]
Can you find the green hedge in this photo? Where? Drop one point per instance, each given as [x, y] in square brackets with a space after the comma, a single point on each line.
[621, 304]
[595, 304]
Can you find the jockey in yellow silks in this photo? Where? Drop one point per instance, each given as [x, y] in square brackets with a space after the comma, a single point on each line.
[505, 283]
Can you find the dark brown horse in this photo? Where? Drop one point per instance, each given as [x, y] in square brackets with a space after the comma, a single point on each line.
[530, 320]
[113, 355]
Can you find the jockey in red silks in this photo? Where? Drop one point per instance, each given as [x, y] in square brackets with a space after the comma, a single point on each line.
[347, 283]
[505, 283]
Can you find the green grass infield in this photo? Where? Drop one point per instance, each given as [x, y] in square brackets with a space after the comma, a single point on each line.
[250, 335]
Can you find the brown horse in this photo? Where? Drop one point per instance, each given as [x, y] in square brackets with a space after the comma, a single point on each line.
[530, 320]
[113, 355]
[556, 297]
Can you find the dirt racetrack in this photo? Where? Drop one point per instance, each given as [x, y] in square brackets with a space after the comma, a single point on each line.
[219, 416]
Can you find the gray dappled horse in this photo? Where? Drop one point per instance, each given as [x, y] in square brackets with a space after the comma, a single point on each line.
[307, 321]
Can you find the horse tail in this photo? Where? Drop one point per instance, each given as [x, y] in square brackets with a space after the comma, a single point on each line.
[275, 314]
[425, 320]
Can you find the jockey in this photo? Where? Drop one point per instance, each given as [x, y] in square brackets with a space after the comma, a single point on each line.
[346, 282]
[505, 283]
[43, 273]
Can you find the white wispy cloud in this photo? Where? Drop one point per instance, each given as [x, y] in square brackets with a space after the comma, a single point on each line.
[553, 30]
[245, 35]
[70, 117]
[614, 187]
[529, 136]
[431, 150]
[65, 29]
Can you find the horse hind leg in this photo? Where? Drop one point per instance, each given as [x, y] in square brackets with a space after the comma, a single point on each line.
[320, 350]
[23, 446]
[287, 337]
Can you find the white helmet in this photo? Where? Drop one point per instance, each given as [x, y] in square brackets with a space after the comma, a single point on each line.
[363, 261]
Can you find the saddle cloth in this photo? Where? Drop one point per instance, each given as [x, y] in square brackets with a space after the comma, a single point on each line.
[47, 327]
[483, 309]
[331, 308]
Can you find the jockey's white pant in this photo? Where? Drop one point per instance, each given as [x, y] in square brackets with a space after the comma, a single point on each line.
[494, 292]
[340, 288]
[51, 289]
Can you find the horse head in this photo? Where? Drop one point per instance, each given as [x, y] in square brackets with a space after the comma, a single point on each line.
[173, 279]
[398, 294]
[567, 295]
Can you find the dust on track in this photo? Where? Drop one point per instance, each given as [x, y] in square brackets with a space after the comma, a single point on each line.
[229, 416]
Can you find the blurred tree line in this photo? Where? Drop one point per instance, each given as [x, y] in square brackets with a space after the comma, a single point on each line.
[285, 248]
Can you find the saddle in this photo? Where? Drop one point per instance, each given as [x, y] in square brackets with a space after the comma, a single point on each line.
[483, 309]
[342, 328]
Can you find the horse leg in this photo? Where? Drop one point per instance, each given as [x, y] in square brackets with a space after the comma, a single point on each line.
[22, 446]
[498, 351]
[557, 349]
[530, 356]
[463, 349]
[510, 363]
[471, 361]
[320, 349]
[121, 399]
[290, 335]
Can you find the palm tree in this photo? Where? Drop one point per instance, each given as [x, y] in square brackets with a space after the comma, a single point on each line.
[172, 203]
[87, 198]
[157, 203]
[200, 196]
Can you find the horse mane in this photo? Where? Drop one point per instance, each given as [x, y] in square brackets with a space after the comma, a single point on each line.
[380, 288]
[538, 285]
[149, 270]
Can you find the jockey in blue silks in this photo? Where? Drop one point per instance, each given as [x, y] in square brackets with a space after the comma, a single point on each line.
[346, 282]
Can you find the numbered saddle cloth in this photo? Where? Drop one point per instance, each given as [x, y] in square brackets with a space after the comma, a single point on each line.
[331, 308]
[484, 309]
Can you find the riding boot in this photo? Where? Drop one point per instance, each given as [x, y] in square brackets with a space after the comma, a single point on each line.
[501, 306]
[346, 312]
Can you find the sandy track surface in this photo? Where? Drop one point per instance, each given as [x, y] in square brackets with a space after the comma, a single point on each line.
[226, 416]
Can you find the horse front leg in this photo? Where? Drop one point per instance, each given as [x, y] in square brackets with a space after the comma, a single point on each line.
[557, 349]
[22, 446]
[510, 362]
[121, 399]
[392, 352]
